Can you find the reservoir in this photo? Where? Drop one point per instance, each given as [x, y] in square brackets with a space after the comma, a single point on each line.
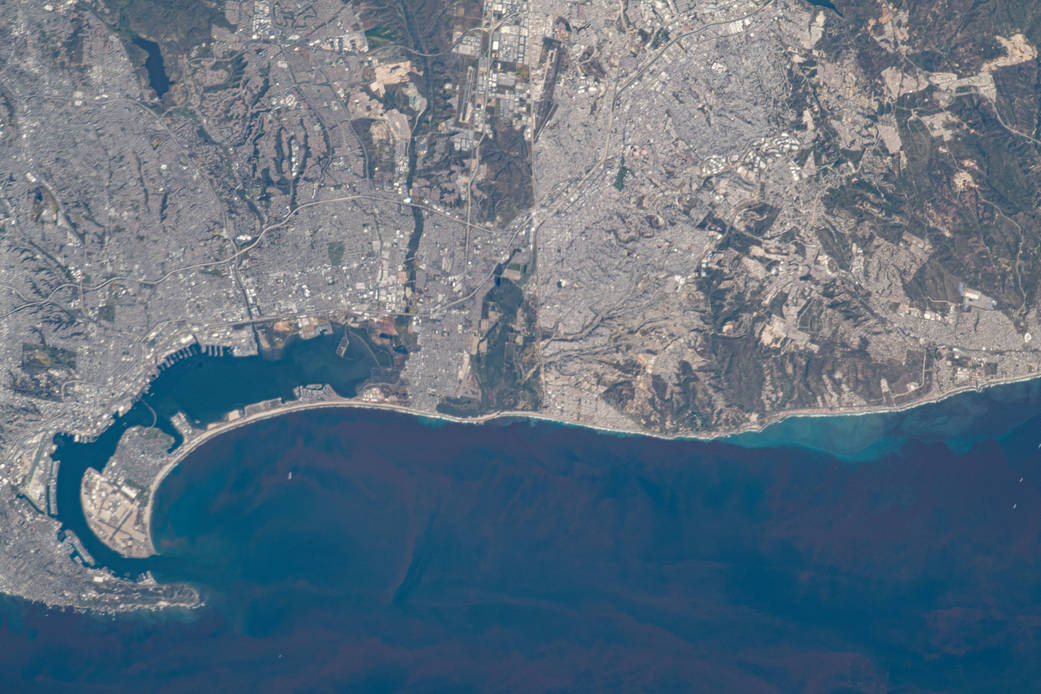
[826, 4]
[157, 77]
[354, 550]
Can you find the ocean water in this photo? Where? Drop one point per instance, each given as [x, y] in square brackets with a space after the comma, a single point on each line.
[204, 388]
[959, 422]
[364, 551]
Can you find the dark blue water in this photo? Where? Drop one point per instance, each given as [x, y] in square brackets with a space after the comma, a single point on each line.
[157, 77]
[205, 387]
[403, 556]
[825, 4]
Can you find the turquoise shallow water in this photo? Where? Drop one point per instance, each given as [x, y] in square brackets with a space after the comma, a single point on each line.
[402, 556]
[959, 422]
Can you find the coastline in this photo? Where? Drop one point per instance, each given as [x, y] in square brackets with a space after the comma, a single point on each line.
[202, 436]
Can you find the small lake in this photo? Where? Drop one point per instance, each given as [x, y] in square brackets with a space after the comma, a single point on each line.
[157, 77]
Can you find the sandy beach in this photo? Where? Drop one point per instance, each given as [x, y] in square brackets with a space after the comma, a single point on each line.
[198, 437]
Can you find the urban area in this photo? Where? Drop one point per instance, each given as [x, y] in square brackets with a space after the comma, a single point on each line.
[672, 217]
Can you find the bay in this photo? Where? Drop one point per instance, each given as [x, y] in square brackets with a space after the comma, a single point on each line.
[351, 550]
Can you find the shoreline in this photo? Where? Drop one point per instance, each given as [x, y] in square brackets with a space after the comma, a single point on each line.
[219, 428]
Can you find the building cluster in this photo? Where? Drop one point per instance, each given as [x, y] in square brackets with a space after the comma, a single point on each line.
[116, 500]
[336, 36]
[116, 513]
[497, 83]
[34, 474]
[972, 298]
